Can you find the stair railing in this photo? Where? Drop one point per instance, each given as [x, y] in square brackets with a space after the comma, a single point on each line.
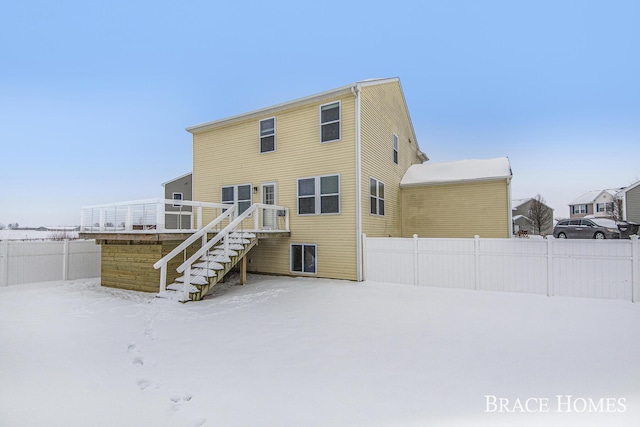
[202, 233]
[224, 233]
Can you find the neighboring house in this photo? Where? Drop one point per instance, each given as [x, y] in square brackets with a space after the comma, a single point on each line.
[631, 202]
[457, 199]
[178, 216]
[522, 218]
[598, 203]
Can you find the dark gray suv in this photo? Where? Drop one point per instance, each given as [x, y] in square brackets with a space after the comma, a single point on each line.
[595, 228]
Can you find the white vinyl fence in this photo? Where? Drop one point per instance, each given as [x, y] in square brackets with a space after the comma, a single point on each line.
[43, 261]
[581, 268]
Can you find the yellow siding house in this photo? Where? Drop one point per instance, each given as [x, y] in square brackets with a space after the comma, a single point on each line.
[334, 159]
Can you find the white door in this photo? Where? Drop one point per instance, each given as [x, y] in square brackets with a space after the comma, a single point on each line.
[269, 218]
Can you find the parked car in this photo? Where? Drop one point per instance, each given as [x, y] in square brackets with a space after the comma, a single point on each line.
[627, 229]
[596, 228]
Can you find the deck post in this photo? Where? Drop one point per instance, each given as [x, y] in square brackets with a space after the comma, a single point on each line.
[243, 270]
[160, 216]
[163, 278]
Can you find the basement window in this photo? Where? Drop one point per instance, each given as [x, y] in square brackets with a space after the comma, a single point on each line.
[303, 258]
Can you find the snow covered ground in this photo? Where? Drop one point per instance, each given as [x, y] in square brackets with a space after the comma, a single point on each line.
[7, 234]
[311, 352]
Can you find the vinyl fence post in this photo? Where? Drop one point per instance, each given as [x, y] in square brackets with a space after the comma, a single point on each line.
[364, 256]
[65, 260]
[635, 269]
[4, 263]
[550, 290]
[416, 279]
[476, 253]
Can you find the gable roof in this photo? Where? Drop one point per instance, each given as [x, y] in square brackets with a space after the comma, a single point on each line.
[351, 88]
[290, 104]
[631, 187]
[516, 203]
[177, 178]
[591, 196]
[457, 171]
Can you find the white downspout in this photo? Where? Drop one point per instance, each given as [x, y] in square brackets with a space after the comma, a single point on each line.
[356, 92]
[510, 216]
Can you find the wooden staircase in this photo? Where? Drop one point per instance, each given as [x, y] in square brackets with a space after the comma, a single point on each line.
[213, 266]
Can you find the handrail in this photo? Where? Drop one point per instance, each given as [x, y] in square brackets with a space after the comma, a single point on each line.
[195, 236]
[158, 201]
[222, 233]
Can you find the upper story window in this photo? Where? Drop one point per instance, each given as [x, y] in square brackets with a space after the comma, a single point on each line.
[395, 148]
[239, 195]
[580, 209]
[268, 135]
[319, 195]
[330, 122]
[177, 196]
[376, 197]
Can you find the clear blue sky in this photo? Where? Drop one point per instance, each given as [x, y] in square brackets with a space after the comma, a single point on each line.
[95, 95]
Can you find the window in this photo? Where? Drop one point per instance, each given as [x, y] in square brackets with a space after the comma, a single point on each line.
[268, 135]
[376, 197]
[580, 209]
[303, 258]
[176, 196]
[395, 148]
[319, 195]
[237, 194]
[600, 207]
[330, 122]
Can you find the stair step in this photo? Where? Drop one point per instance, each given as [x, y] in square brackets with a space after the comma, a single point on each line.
[232, 246]
[216, 258]
[242, 234]
[239, 241]
[223, 252]
[196, 280]
[211, 265]
[179, 287]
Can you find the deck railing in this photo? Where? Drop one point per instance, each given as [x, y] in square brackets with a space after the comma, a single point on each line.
[259, 218]
[151, 215]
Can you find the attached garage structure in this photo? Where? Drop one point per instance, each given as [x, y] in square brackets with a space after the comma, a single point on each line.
[457, 199]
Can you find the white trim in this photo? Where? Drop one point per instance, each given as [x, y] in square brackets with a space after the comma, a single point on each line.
[509, 208]
[235, 195]
[176, 179]
[315, 261]
[395, 156]
[460, 181]
[359, 238]
[317, 195]
[339, 102]
[173, 197]
[260, 135]
[377, 197]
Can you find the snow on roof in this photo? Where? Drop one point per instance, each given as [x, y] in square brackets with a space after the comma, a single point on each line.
[457, 171]
[517, 217]
[587, 197]
[630, 187]
[516, 203]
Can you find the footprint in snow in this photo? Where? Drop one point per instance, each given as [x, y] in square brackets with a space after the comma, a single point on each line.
[178, 399]
[138, 361]
[143, 383]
